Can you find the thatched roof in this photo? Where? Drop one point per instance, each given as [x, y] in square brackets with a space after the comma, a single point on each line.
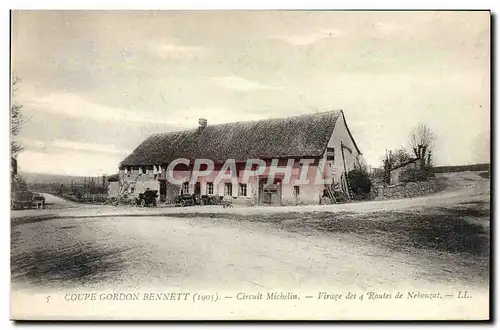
[298, 136]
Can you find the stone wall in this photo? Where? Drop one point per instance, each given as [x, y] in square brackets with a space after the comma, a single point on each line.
[404, 190]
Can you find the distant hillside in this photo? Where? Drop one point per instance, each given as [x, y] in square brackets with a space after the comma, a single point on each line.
[31, 177]
[462, 168]
[74, 188]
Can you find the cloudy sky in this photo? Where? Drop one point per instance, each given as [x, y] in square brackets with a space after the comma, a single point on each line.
[96, 83]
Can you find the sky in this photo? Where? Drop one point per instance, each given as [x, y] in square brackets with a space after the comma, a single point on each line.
[95, 84]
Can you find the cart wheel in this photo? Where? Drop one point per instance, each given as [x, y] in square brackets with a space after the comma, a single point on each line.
[183, 203]
[143, 202]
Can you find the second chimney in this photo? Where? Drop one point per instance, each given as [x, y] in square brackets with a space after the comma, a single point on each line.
[202, 124]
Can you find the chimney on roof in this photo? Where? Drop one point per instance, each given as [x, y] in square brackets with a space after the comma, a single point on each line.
[202, 124]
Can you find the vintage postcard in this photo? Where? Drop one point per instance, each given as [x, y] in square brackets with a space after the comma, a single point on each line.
[250, 165]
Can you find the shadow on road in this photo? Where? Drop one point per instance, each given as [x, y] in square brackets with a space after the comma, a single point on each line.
[69, 266]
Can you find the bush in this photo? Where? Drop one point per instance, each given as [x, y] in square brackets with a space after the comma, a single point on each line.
[360, 183]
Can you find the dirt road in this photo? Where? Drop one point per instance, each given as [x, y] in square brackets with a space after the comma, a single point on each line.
[462, 187]
[238, 250]
[132, 251]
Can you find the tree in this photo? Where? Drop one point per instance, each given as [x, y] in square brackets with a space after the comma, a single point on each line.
[401, 156]
[17, 120]
[422, 142]
[387, 164]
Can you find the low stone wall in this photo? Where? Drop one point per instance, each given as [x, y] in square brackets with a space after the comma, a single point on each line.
[404, 190]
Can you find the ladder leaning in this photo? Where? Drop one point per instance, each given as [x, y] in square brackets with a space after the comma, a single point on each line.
[330, 193]
[328, 187]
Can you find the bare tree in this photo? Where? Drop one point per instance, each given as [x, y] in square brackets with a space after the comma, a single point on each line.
[17, 120]
[125, 186]
[394, 158]
[401, 156]
[422, 142]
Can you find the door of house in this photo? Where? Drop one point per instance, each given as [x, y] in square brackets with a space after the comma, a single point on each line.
[296, 194]
[197, 189]
[269, 194]
[163, 190]
[264, 194]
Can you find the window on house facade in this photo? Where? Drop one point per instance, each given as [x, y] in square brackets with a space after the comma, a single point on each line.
[210, 188]
[185, 188]
[296, 190]
[243, 189]
[330, 154]
[228, 189]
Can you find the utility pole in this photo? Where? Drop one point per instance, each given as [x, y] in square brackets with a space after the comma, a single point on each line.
[345, 171]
